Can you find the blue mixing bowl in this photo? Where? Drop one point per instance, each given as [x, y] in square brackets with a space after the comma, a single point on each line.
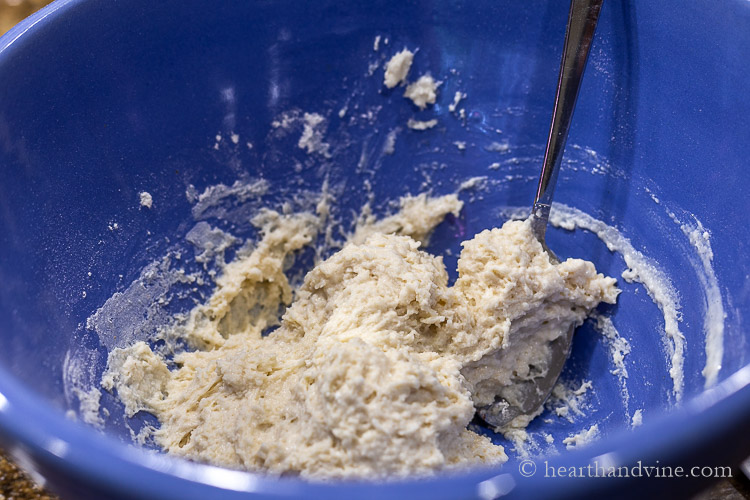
[100, 101]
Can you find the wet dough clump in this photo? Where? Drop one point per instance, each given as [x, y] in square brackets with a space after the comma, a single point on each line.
[377, 364]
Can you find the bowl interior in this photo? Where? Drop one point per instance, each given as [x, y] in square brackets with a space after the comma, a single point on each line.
[171, 98]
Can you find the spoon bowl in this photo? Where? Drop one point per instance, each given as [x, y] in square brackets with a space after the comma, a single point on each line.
[530, 395]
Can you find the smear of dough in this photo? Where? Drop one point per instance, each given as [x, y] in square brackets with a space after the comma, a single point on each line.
[420, 124]
[713, 322]
[213, 201]
[618, 347]
[568, 401]
[311, 139]
[377, 365]
[583, 438]
[642, 270]
[457, 97]
[637, 419]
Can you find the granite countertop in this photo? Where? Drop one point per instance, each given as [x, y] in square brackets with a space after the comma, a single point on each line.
[16, 484]
[12, 11]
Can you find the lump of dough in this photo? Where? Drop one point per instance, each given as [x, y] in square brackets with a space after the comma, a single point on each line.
[397, 68]
[423, 91]
[349, 385]
[522, 299]
[377, 365]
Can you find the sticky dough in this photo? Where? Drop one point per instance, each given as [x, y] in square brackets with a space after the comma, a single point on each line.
[377, 365]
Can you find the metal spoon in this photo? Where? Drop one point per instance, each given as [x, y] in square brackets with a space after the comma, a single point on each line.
[579, 34]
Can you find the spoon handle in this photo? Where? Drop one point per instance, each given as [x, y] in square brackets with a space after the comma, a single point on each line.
[579, 33]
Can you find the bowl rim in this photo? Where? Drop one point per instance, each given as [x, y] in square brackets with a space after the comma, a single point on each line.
[40, 437]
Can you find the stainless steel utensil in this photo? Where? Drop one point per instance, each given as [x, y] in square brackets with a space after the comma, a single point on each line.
[579, 34]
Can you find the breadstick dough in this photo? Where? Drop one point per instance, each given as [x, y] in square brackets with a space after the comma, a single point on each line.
[376, 366]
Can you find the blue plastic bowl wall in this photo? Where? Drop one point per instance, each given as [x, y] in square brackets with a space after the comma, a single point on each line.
[102, 100]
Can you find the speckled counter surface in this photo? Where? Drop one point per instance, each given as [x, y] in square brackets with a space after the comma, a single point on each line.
[16, 485]
[12, 11]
